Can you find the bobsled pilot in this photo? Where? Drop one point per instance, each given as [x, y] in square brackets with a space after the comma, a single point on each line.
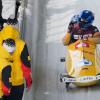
[7, 47]
[21, 68]
[81, 27]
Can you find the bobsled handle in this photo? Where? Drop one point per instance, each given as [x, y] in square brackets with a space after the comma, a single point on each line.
[62, 59]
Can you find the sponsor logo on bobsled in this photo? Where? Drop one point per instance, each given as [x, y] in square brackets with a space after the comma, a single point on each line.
[85, 62]
[83, 44]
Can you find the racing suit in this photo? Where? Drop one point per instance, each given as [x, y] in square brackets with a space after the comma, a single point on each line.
[75, 32]
[21, 68]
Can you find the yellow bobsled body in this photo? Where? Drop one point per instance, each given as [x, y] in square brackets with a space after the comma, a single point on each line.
[81, 63]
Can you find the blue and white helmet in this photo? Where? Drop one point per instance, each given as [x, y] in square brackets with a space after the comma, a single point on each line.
[86, 18]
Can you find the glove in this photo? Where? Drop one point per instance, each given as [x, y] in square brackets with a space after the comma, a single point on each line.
[96, 34]
[5, 90]
[28, 80]
[27, 76]
[66, 39]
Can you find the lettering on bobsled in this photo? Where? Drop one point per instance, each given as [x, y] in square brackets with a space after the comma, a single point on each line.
[81, 79]
[84, 37]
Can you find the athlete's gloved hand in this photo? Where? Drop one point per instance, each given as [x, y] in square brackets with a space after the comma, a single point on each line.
[28, 80]
[27, 76]
[5, 90]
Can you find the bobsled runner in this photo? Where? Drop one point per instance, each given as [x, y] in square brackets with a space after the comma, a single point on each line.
[81, 64]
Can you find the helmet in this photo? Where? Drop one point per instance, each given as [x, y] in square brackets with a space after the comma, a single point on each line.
[75, 19]
[9, 45]
[86, 18]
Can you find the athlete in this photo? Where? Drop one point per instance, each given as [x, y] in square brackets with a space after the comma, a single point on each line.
[21, 68]
[81, 27]
[7, 48]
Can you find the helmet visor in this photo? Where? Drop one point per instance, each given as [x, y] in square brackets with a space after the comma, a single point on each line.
[84, 23]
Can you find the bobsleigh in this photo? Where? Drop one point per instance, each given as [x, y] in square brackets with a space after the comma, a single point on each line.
[80, 63]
